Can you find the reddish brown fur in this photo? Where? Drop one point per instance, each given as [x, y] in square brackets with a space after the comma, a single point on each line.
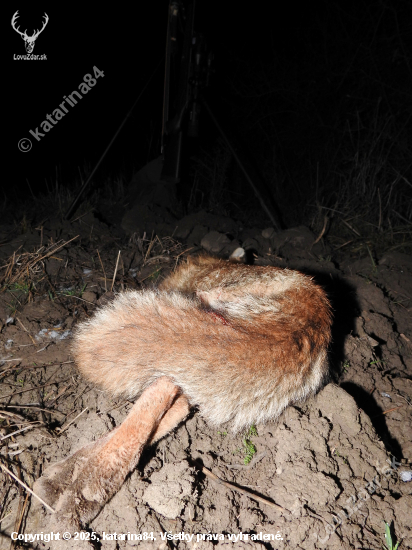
[272, 338]
[239, 342]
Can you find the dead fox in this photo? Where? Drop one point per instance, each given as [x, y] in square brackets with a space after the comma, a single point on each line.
[239, 342]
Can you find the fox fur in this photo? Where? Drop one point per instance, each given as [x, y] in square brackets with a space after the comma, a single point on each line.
[240, 342]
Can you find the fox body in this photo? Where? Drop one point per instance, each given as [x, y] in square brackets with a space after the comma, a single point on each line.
[238, 342]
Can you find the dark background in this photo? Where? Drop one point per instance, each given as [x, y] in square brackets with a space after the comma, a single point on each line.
[318, 93]
[125, 47]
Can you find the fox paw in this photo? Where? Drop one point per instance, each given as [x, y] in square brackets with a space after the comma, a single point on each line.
[73, 488]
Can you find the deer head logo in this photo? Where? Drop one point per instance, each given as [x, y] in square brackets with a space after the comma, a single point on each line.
[29, 41]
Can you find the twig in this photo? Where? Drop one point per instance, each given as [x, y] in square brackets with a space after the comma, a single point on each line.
[185, 251]
[6, 516]
[82, 215]
[380, 210]
[26, 487]
[350, 227]
[115, 271]
[56, 249]
[10, 415]
[25, 329]
[387, 411]
[374, 268]
[104, 272]
[149, 248]
[62, 392]
[344, 244]
[17, 527]
[213, 477]
[393, 409]
[71, 421]
[19, 431]
[322, 232]
[28, 261]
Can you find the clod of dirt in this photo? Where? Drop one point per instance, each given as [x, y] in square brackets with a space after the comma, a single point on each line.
[215, 242]
[169, 488]
[340, 409]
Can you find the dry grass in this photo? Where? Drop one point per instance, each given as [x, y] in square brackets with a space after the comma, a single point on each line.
[26, 266]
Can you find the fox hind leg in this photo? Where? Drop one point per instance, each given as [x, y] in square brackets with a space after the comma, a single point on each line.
[79, 486]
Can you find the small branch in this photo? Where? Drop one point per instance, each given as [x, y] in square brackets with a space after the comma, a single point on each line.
[115, 271]
[104, 273]
[350, 227]
[71, 421]
[26, 487]
[19, 431]
[322, 232]
[216, 479]
[25, 329]
[380, 210]
[344, 244]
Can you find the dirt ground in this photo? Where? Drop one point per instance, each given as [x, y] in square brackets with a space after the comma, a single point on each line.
[339, 465]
